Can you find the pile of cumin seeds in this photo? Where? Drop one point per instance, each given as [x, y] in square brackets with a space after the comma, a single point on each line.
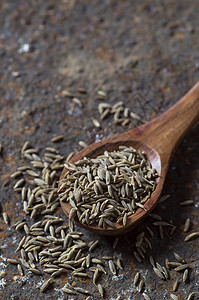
[49, 247]
[108, 188]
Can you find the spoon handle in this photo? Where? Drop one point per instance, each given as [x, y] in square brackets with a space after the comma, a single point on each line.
[165, 132]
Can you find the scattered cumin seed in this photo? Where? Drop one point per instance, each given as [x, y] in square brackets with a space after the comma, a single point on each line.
[191, 236]
[26, 145]
[150, 231]
[82, 144]
[115, 242]
[102, 107]
[35, 271]
[187, 225]
[72, 213]
[67, 93]
[6, 218]
[158, 273]
[119, 264]
[191, 296]
[173, 264]
[172, 230]
[32, 173]
[100, 268]
[77, 101]
[175, 286]
[167, 264]
[181, 268]
[140, 286]
[174, 297]
[80, 274]
[57, 139]
[187, 202]
[156, 217]
[112, 267]
[82, 90]
[179, 258]
[185, 275]
[136, 278]
[12, 261]
[135, 116]
[138, 258]
[95, 122]
[101, 95]
[159, 267]
[161, 232]
[96, 261]
[68, 291]
[46, 285]
[19, 183]
[81, 290]
[20, 270]
[93, 246]
[166, 273]
[164, 198]
[16, 174]
[100, 289]
[146, 297]
[95, 275]
[151, 259]
[162, 223]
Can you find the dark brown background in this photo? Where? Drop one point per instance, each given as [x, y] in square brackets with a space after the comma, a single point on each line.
[142, 52]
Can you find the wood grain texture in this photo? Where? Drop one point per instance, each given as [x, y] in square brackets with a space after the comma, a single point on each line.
[159, 139]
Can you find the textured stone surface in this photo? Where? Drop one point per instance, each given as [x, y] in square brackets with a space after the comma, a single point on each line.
[142, 52]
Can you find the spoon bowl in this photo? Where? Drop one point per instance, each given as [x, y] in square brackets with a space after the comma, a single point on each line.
[158, 139]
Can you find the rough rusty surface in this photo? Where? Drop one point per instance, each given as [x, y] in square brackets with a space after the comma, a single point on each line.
[142, 52]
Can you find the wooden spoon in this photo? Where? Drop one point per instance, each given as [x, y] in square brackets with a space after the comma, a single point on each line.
[159, 139]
